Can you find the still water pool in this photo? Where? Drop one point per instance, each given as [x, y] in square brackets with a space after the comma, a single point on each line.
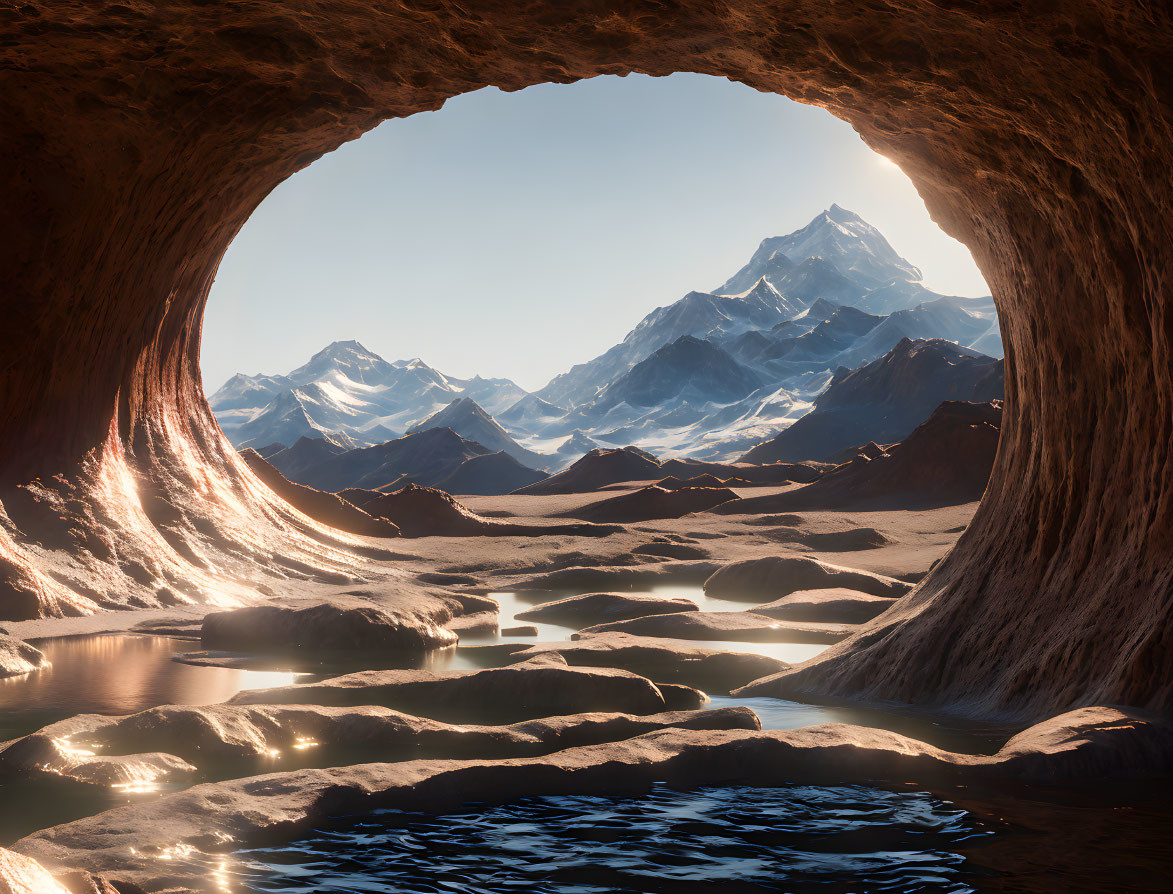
[116, 674]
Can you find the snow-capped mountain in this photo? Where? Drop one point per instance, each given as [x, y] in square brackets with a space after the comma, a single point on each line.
[854, 250]
[347, 390]
[707, 377]
[837, 257]
[466, 417]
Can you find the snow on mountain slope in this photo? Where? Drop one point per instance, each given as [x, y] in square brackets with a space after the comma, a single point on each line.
[465, 417]
[856, 249]
[837, 257]
[707, 376]
[346, 388]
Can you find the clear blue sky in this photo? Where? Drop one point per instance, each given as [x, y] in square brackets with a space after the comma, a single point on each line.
[513, 234]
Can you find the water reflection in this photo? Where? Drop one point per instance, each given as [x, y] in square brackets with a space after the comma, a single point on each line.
[513, 603]
[117, 674]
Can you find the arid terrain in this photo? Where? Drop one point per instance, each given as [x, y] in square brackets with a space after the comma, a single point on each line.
[526, 645]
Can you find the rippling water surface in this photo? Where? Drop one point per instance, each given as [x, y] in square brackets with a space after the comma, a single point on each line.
[796, 839]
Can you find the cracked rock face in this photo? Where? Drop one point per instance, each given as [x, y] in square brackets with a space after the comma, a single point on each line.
[137, 139]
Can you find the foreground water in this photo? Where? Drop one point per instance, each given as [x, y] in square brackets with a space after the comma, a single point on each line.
[116, 674]
[740, 839]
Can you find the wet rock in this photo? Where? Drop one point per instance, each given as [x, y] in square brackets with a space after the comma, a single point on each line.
[241, 737]
[522, 630]
[478, 624]
[682, 698]
[41, 755]
[18, 657]
[725, 626]
[22, 875]
[663, 660]
[543, 687]
[777, 576]
[835, 605]
[595, 608]
[1092, 745]
[337, 625]
[653, 502]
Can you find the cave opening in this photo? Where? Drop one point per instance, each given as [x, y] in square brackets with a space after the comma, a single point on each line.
[137, 143]
[509, 237]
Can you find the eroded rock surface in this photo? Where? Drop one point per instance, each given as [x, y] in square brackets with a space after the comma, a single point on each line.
[126, 180]
[340, 624]
[728, 626]
[543, 686]
[21, 875]
[244, 739]
[654, 502]
[325, 507]
[837, 605]
[49, 756]
[777, 576]
[18, 657]
[596, 608]
[1094, 744]
[428, 512]
[663, 660]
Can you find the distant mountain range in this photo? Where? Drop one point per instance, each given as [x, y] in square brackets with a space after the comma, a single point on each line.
[884, 400]
[346, 391]
[708, 377]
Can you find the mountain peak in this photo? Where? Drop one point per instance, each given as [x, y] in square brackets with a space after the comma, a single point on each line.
[839, 214]
[347, 344]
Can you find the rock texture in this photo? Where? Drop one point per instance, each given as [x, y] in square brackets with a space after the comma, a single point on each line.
[327, 508]
[654, 502]
[125, 844]
[836, 605]
[17, 657]
[946, 460]
[137, 139]
[777, 576]
[597, 608]
[418, 511]
[744, 627]
[663, 660]
[21, 875]
[543, 686]
[236, 739]
[48, 756]
[335, 626]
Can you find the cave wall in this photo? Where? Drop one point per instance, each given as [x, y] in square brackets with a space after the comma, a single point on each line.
[137, 137]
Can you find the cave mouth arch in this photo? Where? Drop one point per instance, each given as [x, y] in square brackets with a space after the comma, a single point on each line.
[136, 144]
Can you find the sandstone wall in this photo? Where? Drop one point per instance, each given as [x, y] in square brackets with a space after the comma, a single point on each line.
[136, 138]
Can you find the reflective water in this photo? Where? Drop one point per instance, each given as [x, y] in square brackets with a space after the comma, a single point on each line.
[952, 734]
[796, 839]
[116, 674]
[514, 603]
